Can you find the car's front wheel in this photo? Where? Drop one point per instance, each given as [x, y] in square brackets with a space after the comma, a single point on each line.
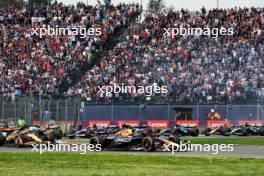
[98, 140]
[148, 144]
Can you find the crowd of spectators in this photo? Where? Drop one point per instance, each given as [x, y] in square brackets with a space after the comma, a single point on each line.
[39, 66]
[193, 67]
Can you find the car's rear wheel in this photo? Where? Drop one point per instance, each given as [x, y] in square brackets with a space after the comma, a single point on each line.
[194, 132]
[148, 144]
[58, 134]
[51, 138]
[207, 131]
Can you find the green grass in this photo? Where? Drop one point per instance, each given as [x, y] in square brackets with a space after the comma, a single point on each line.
[252, 140]
[118, 164]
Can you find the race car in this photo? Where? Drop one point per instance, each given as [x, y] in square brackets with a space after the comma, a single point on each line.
[90, 132]
[243, 130]
[246, 130]
[5, 131]
[185, 131]
[25, 136]
[134, 139]
[222, 130]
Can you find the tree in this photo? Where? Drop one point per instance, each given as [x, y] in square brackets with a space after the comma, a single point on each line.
[156, 5]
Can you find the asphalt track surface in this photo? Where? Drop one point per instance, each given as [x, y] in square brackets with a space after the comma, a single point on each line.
[239, 151]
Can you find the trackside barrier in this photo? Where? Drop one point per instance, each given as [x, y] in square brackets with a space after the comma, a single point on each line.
[39, 122]
[250, 122]
[66, 124]
[214, 123]
[188, 123]
[101, 123]
[158, 123]
[128, 122]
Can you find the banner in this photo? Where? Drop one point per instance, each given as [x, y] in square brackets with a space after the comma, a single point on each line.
[158, 123]
[250, 122]
[188, 123]
[128, 122]
[45, 122]
[101, 123]
[39, 122]
[214, 123]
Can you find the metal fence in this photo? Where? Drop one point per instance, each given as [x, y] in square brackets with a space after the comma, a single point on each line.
[76, 109]
[39, 109]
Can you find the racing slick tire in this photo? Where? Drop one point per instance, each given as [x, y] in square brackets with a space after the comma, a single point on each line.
[207, 131]
[148, 144]
[58, 134]
[51, 138]
[261, 131]
[2, 139]
[194, 132]
[98, 140]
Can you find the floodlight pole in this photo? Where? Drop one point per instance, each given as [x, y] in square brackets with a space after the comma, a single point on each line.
[217, 4]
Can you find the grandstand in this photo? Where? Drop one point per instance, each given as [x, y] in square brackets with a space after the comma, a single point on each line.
[194, 68]
[46, 66]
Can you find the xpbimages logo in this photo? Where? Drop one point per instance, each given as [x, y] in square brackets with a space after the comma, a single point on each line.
[188, 147]
[144, 90]
[198, 31]
[61, 147]
[59, 31]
